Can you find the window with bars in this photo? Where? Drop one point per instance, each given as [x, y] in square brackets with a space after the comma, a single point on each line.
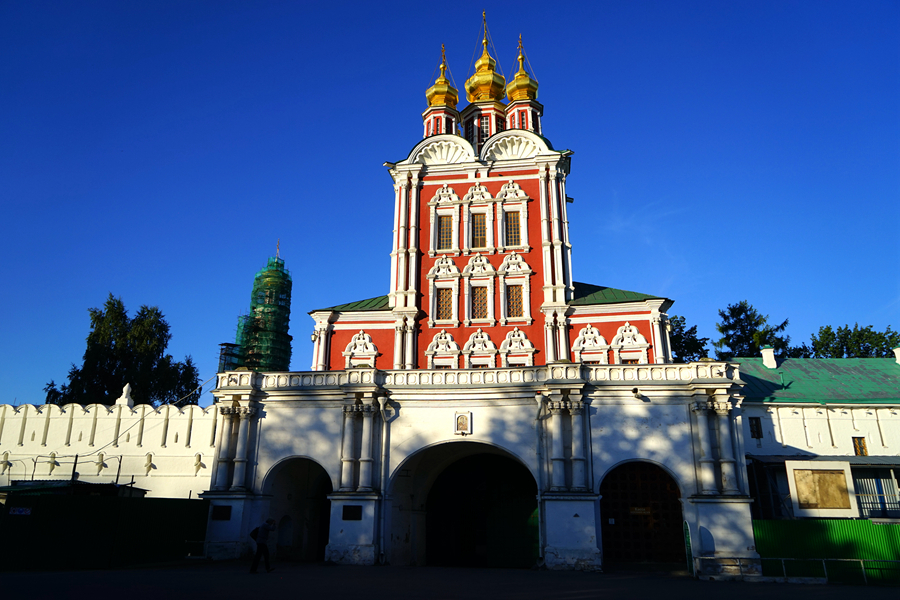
[512, 121]
[429, 128]
[500, 124]
[448, 125]
[514, 301]
[444, 232]
[479, 303]
[470, 131]
[523, 120]
[513, 233]
[485, 128]
[756, 428]
[479, 230]
[444, 304]
[859, 446]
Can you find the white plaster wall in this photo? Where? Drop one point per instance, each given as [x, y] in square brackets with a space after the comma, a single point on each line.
[822, 430]
[169, 451]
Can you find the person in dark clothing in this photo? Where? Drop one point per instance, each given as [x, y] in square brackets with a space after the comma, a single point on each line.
[262, 545]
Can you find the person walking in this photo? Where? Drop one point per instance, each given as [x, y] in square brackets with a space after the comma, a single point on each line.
[262, 544]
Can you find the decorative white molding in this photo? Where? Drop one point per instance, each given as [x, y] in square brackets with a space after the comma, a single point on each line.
[443, 152]
[479, 350]
[479, 266]
[514, 264]
[444, 267]
[445, 194]
[443, 351]
[629, 344]
[591, 346]
[511, 191]
[360, 351]
[510, 147]
[517, 349]
[477, 193]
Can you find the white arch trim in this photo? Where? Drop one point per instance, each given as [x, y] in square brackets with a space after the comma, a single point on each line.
[514, 144]
[442, 149]
[276, 466]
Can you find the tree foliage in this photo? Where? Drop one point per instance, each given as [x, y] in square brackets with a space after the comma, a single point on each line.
[686, 346]
[859, 342]
[745, 331]
[124, 350]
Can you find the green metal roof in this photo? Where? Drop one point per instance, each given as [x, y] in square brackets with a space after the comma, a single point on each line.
[839, 380]
[379, 303]
[586, 293]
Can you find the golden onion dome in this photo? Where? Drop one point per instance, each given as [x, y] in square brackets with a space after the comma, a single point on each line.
[522, 87]
[486, 84]
[442, 93]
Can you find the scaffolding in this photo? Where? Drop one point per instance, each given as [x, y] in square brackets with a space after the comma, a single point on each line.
[262, 342]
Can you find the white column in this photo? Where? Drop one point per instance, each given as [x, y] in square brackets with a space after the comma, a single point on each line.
[576, 410]
[402, 236]
[656, 328]
[545, 238]
[412, 246]
[238, 482]
[558, 280]
[557, 456]
[562, 350]
[347, 458]
[394, 251]
[398, 343]
[224, 449]
[409, 358]
[707, 473]
[549, 337]
[726, 454]
[365, 459]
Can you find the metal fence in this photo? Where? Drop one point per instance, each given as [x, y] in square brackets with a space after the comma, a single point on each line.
[827, 570]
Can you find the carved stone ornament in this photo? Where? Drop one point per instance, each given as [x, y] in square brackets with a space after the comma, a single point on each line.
[516, 341]
[444, 195]
[477, 193]
[629, 344]
[443, 152]
[512, 191]
[511, 148]
[479, 266]
[442, 344]
[590, 345]
[479, 343]
[628, 335]
[514, 264]
[360, 351]
[443, 267]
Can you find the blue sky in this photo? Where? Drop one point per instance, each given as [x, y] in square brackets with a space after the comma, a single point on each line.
[723, 151]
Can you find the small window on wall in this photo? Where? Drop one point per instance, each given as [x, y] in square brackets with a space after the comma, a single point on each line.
[479, 230]
[445, 232]
[859, 446]
[513, 233]
[523, 120]
[448, 125]
[444, 304]
[514, 301]
[756, 428]
[470, 131]
[499, 124]
[479, 303]
[629, 361]
[512, 121]
[485, 128]
[437, 125]
[429, 128]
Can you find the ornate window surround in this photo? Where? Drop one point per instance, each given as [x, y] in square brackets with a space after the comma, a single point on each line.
[591, 346]
[629, 344]
[512, 199]
[360, 351]
[515, 271]
[444, 274]
[444, 203]
[479, 273]
[479, 351]
[443, 351]
[483, 202]
[517, 350]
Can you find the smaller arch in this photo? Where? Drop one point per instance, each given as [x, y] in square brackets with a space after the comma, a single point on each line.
[442, 149]
[266, 486]
[514, 144]
[655, 463]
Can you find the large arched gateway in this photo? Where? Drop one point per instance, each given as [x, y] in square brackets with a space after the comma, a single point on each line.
[464, 504]
[641, 515]
[299, 489]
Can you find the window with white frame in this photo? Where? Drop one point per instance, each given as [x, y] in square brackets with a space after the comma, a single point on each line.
[479, 351]
[443, 291]
[444, 210]
[443, 352]
[515, 289]
[513, 217]
[478, 216]
[479, 285]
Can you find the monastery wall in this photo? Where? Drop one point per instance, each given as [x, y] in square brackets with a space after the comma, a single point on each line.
[169, 451]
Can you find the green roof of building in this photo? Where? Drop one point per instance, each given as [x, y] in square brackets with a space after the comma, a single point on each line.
[821, 380]
[586, 293]
[378, 303]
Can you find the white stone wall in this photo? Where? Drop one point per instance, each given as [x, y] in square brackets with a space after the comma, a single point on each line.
[803, 428]
[168, 451]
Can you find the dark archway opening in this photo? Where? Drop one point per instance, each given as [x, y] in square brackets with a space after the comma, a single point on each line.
[641, 516]
[301, 509]
[482, 512]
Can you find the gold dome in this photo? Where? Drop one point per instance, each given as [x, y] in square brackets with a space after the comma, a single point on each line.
[442, 93]
[523, 87]
[486, 84]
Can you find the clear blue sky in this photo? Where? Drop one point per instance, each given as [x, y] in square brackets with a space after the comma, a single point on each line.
[157, 150]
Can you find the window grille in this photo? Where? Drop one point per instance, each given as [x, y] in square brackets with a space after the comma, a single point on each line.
[470, 131]
[479, 230]
[756, 428]
[444, 304]
[523, 119]
[513, 229]
[485, 128]
[445, 232]
[479, 303]
[859, 446]
[514, 301]
[500, 124]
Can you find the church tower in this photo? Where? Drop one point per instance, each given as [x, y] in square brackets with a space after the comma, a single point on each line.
[481, 261]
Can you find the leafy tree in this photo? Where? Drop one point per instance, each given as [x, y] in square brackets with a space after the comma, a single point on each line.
[859, 342]
[124, 350]
[745, 331]
[686, 346]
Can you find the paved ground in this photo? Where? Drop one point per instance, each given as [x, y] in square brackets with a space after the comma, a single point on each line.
[310, 581]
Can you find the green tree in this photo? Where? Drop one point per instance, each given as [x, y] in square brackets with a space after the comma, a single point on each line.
[744, 331]
[859, 342]
[686, 346]
[124, 350]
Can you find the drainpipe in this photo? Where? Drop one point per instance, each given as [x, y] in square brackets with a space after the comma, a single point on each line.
[539, 398]
[382, 402]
